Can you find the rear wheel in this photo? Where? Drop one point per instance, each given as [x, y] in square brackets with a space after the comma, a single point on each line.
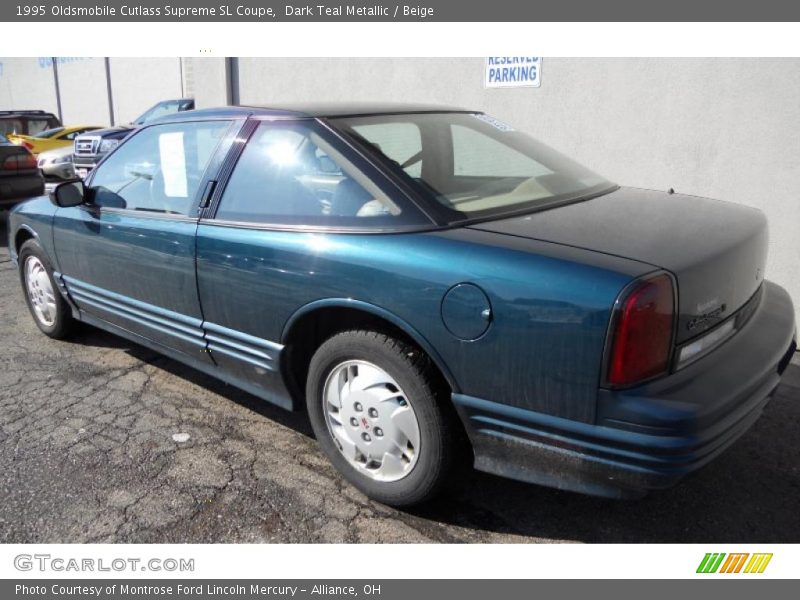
[381, 417]
[49, 309]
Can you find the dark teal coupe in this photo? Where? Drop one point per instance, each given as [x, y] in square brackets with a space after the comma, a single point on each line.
[435, 287]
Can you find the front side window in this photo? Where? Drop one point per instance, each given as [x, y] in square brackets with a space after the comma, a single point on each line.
[293, 173]
[159, 169]
[473, 165]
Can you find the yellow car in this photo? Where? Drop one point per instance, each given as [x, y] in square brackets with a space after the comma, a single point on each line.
[49, 139]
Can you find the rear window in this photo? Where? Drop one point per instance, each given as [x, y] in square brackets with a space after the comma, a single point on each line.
[39, 124]
[473, 165]
[48, 133]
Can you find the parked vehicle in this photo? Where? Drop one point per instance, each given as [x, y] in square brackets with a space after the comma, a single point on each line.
[19, 177]
[26, 122]
[56, 165]
[432, 285]
[49, 139]
[90, 149]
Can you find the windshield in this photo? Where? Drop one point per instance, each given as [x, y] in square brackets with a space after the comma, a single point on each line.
[161, 109]
[3, 140]
[474, 165]
[48, 133]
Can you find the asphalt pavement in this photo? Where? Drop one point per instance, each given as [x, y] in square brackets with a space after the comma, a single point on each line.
[102, 440]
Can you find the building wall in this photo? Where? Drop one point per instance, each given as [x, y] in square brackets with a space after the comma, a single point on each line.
[205, 80]
[84, 93]
[27, 83]
[724, 128]
[138, 83]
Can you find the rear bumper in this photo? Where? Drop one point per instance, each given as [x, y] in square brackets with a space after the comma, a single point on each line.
[18, 188]
[650, 436]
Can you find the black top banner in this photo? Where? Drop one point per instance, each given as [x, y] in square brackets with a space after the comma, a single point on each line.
[416, 11]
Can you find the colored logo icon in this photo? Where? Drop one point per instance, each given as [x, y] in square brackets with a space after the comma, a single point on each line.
[741, 562]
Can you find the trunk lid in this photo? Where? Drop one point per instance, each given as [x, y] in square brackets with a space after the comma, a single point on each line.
[716, 250]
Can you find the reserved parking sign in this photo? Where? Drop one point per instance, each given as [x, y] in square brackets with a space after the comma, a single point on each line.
[512, 71]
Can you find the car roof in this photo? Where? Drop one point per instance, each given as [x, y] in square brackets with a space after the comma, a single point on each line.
[25, 113]
[316, 110]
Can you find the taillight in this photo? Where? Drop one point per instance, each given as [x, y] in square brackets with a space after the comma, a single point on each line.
[27, 146]
[27, 161]
[19, 162]
[641, 332]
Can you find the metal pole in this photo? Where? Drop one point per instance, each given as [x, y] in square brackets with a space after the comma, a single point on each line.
[58, 88]
[232, 79]
[108, 91]
[180, 67]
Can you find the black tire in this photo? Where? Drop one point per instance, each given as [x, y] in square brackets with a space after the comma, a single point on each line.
[436, 419]
[63, 321]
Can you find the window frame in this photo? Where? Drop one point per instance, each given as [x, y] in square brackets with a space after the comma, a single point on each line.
[362, 161]
[218, 156]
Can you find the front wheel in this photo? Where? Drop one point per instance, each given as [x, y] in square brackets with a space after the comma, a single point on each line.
[49, 309]
[381, 417]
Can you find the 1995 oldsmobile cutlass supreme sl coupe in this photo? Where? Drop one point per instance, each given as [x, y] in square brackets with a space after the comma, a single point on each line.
[435, 288]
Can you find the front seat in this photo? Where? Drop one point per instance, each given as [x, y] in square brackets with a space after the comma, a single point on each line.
[348, 198]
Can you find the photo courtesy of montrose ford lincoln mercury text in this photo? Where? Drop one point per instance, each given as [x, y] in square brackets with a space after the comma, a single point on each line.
[436, 288]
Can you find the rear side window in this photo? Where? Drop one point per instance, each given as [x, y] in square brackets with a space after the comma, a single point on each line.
[294, 173]
[159, 169]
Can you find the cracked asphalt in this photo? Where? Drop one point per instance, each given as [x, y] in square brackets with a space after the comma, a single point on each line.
[105, 441]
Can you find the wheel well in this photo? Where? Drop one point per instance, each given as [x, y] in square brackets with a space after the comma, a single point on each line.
[311, 330]
[22, 236]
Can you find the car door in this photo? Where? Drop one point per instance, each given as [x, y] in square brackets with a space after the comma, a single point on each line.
[264, 245]
[127, 256]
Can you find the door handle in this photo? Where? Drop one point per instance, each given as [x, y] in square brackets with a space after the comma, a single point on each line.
[207, 193]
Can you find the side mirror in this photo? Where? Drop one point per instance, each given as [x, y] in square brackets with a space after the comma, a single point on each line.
[69, 193]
